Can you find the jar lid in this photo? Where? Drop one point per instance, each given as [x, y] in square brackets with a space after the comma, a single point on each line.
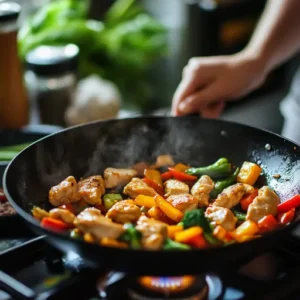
[53, 60]
[9, 11]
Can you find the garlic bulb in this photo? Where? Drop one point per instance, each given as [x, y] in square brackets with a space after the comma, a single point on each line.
[94, 99]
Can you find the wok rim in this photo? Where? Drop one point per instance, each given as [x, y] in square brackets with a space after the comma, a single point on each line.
[31, 221]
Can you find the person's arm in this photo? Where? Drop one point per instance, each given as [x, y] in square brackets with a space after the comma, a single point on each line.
[210, 81]
[277, 35]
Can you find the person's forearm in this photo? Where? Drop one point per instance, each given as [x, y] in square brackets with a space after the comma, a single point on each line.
[277, 35]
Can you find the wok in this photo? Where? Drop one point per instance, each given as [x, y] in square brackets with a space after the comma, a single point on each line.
[88, 149]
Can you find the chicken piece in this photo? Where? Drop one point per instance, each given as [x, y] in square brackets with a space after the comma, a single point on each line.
[125, 211]
[175, 187]
[183, 202]
[232, 195]
[92, 221]
[221, 216]
[62, 214]
[264, 204]
[201, 190]
[65, 192]
[118, 177]
[91, 189]
[164, 160]
[138, 187]
[154, 232]
[140, 168]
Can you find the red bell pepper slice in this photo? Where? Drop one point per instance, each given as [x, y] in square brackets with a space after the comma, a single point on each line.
[55, 225]
[289, 204]
[287, 217]
[2, 196]
[69, 207]
[182, 176]
[198, 242]
[248, 199]
[154, 185]
[267, 223]
[166, 176]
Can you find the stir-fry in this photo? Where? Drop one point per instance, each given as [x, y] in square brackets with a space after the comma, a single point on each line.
[167, 206]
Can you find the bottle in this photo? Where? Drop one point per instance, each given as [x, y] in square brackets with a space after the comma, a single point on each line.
[14, 108]
[51, 78]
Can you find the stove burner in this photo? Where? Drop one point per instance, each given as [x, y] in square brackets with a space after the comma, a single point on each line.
[181, 287]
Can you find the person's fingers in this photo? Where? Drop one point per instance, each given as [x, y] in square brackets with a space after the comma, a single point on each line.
[199, 100]
[213, 111]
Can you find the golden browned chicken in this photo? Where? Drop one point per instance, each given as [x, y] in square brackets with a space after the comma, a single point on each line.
[62, 214]
[201, 190]
[91, 189]
[232, 195]
[138, 187]
[183, 202]
[221, 216]
[125, 211]
[264, 204]
[92, 221]
[65, 192]
[153, 232]
[117, 177]
[175, 187]
[164, 160]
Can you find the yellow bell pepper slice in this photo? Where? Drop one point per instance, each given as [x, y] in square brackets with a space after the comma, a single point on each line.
[248, 173]
[186, 235]
[245, 231]
[109, 242]
[181, 167]
[220, 233]
[145, 201]
[169, 210]
[153, 175]
[172, 229]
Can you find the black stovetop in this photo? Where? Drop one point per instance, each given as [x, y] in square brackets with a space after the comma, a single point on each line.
[34, 270]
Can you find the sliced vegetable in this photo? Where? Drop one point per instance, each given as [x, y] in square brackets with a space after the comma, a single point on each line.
[55, 225]
[131, 236]
[287, 217]
[196, 217]
[170, 211]
[109, 242]
[172, 245]
[88, 238]
[166, 176]
[287, 205]
[240, 216]
[157, 214]
[211, 239]
[186, 235]
[181, 167]
[109, 200]
[247, 229]
[172, 229]
[68, 207]
[198, 242]
[182, 176]
[153, 175]
[267, 223]
[39, 213]
[249, 173]
[220, 233]
[76, 234]
[159, 189]
[220, 168]
[222, 184]
[248, 199]
[145, 201]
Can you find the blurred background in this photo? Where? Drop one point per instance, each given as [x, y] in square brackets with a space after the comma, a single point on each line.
[130, 55]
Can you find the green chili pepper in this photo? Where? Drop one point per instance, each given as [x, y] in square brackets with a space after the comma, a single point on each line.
[109, 200]
[240, 216]
[172, 245]
[222, 184]
[196, 217]
[218, 169]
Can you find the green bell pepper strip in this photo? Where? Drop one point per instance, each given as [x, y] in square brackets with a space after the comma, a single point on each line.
[240, 216]
[211, 239]
[222, 184]
[109, 200]
[218, 169]
[172, 245]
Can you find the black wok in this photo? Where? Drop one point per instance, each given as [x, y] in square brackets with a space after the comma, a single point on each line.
[86, 150]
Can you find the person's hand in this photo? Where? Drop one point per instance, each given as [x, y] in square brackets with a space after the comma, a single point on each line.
[208, 82]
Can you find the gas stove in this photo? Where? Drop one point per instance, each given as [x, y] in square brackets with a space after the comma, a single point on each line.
[31, 269]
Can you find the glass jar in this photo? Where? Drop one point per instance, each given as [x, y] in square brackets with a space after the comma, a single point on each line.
[51, 77]
[13, 97]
